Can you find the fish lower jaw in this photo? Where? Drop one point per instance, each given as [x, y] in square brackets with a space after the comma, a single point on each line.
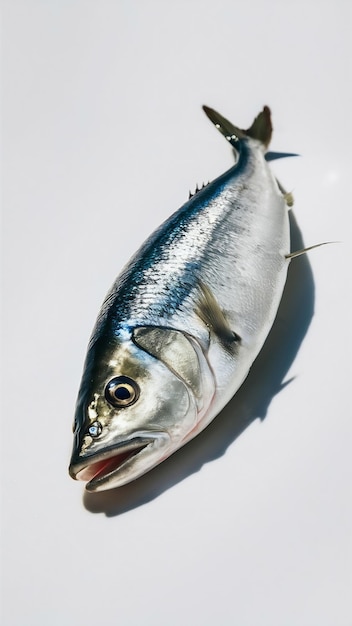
[104, 468]
[122, 464]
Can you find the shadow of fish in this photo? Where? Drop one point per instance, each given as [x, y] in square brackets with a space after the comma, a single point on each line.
[183, 323]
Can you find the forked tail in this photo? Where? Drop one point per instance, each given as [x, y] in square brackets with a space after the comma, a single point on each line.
[261, 130]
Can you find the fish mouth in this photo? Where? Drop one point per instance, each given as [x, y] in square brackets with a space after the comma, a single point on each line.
[117, 466]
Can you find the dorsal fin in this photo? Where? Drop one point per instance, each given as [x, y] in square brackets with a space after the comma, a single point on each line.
[197, 189]
[261, 129]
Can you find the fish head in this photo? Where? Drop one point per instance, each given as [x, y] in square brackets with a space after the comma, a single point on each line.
[140, 397]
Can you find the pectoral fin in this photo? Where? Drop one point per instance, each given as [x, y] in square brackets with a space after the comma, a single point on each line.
[209, 311]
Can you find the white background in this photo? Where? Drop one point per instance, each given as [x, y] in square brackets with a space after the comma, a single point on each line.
[103, 136]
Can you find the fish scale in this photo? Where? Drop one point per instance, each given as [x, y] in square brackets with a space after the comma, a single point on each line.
[184, 321]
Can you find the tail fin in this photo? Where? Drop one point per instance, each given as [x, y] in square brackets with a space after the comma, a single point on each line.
[261, 128]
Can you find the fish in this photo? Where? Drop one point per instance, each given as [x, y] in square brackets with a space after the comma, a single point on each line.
[184, 321]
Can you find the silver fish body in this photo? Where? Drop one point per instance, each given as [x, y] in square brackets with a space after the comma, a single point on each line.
[183, 323]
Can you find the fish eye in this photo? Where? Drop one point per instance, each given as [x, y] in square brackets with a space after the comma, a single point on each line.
[121, 391]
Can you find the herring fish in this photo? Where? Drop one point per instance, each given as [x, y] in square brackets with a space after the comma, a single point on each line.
[184, 321]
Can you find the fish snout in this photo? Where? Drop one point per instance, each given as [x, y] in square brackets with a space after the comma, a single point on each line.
[121, 463]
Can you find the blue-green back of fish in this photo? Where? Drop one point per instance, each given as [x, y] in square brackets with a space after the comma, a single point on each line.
[185, 319]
